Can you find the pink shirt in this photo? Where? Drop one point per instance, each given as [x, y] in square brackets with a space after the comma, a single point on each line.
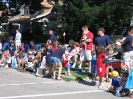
[74, 51]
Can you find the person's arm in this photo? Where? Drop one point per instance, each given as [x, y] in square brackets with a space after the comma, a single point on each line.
[109, 43]
[108, 46]
[113, 54]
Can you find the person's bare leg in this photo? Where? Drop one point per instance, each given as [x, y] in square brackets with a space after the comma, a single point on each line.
[60, 70]
[23, 64]
[50, 71]
[128, 68]
[83, 65]
[89, 66]
[54, 72]
[107, 77]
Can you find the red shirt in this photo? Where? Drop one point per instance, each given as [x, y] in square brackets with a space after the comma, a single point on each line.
[89, 45]
[65, 62]
[100, 58]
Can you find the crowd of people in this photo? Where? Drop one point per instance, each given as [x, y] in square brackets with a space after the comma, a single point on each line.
[94, 51]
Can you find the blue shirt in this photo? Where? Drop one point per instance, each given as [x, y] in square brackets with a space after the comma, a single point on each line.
[128, 44]
[116, 82]
[103, 41]
[58, 53]
[52, 38]
[12, 49]
[48, 55]
[93, 65]
[18, 36]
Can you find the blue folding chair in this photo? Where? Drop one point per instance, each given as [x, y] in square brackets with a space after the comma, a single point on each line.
[38, 47]
[26, 48]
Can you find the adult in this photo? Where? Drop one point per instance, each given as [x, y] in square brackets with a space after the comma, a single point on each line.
[18, 39]
[128, 49]
[56, 57]
[85, 54]
[52, 37]
[69, 48]
[116, 51]
[32, 45]
[103, 40]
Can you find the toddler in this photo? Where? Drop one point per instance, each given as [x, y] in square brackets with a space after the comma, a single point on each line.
[101, 68]
[115, 81]
[83, 38]
[66, 63]
[93, 67]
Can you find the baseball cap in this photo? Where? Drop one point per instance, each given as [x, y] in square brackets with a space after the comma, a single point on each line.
[114, 74]
[101, 29]
[118, 43]
[31, 41]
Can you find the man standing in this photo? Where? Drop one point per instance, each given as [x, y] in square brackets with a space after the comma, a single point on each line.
[103, 40]
[128, 49]
[18, 39]
[52, 37]
[85, 54]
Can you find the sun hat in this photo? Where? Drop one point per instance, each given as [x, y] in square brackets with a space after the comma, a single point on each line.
[114, 74]
[118, 43]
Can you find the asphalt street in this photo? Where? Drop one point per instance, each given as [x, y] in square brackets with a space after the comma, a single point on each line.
[18, 85]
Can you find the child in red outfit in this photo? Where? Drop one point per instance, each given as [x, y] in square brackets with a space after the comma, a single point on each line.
[101, 68]
[66, 63]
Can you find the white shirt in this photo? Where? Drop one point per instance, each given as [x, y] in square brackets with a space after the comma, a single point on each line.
[0, 47]
[18, 36]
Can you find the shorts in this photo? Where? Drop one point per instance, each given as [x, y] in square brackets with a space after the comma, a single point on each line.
[107, 62]
[85, 55]
[55, 60]
[101, 71]
[69, 66]
[18, 43]
[8, 60]
[128, 58]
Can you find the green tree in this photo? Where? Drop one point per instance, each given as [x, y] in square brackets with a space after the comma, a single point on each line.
[110, 14]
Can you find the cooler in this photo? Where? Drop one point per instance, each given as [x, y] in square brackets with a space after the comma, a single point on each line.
[115, 63]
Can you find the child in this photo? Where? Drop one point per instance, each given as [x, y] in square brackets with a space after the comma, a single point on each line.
[84, 37]
[12, 49]
[115, 81]
[101, 68]
[93, 67]
[6, 60]
[122, 91]
[66, 63]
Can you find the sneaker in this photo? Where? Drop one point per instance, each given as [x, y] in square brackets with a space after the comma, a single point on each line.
[117, 93]
[89, 72]
[34, 73]
[79, 67]
[69, 74]
[6, 66]
[101, 86]
[65, 73]
[83, 71]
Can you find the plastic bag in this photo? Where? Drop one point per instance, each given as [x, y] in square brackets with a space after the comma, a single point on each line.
[129, 83]
[14, 63]
[43, 63]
